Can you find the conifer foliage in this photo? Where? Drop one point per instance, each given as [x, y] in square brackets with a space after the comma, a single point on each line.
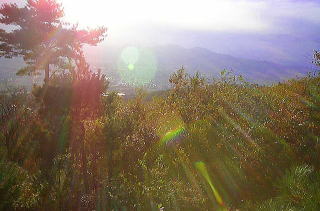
[37, 33]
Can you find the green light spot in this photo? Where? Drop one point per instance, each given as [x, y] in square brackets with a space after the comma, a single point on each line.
[169, 136]
[130, 66]
[137, 66]
[203, 170]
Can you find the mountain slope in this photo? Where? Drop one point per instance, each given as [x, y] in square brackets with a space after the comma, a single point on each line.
[210, 63]
[171, 57]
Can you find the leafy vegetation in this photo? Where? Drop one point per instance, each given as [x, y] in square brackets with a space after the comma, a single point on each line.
[220, 145]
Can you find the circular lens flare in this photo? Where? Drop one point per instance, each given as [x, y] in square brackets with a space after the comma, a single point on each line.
[130, 55]
[137, 66]
[130, 66]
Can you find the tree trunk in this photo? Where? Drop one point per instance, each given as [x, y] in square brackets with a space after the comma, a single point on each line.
[47, 74]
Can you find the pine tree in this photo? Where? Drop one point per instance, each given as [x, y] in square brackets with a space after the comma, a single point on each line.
[316, 58]
[37, 33]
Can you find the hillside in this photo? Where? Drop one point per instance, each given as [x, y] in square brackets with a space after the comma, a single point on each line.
[223, 145]
[171, 57]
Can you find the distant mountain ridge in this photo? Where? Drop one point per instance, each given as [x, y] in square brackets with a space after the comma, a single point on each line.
[171, 57]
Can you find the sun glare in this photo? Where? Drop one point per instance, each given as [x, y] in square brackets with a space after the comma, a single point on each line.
[202, 14]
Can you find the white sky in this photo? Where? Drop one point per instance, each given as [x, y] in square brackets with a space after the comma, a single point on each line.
[216, 15]
[200, 14]
[207, 15]
[154, 22]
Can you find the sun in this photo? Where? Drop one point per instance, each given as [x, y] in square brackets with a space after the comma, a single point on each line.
[201, 14]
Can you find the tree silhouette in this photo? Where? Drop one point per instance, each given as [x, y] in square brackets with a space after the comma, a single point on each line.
[37, 33]
[316, 58]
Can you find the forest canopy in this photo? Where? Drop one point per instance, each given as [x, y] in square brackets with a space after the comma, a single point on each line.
[224, 145]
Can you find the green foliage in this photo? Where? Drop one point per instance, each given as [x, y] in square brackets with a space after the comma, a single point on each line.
[206, 144]
[19, 190]
[298, 189]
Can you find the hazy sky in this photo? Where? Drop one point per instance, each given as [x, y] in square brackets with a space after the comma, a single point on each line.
[239, 16]
[267, 16]
[264, 28]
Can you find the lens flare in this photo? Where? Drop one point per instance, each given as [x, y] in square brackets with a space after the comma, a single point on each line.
[130, 66]
[130, 55]
[170, 128]
[137, 66]
[173, 136]
[201, 167]
[63, 137]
